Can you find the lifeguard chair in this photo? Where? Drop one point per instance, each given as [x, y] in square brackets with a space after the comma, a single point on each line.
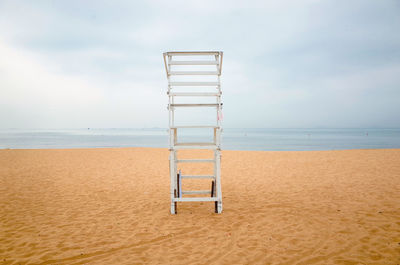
[206, 68]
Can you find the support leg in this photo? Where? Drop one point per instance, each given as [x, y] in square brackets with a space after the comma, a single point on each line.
[173, 182]
[218, 179]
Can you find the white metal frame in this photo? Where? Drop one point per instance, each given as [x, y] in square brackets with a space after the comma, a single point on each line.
[174, 146]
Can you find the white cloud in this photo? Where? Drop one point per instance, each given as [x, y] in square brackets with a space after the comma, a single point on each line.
[287, 63]
[25, 79]
[35, 94]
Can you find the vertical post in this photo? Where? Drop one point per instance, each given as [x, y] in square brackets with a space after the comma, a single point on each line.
[218, 178]
[175, 169]
[218, 137]
[172, 177]
[172, 152]
[218, 140]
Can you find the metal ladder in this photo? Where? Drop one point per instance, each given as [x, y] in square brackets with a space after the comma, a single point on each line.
[204, 65]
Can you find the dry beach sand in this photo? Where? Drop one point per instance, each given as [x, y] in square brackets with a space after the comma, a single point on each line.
[111, 206]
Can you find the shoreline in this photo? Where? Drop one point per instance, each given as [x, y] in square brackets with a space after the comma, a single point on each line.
[166, 148]
[232, 139]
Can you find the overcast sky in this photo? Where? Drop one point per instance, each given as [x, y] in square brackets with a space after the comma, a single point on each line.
[287, 64]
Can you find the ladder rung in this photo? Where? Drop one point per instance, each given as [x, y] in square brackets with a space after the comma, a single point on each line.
[195, 126]
[196, 199]
[196, 105]
[194, 84]
[194, 94]
[196, 192]
[193, 73]
[197, 177]
[192, 53]
[193, 62]
[194, 144]
[208, 147]
[195, 161]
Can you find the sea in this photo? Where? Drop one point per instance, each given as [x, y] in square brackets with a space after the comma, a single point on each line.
[232, 138]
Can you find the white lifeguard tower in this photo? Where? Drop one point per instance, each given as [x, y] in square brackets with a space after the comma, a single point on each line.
[182, 69]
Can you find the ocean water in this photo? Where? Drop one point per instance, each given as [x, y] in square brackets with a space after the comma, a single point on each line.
[232, 139]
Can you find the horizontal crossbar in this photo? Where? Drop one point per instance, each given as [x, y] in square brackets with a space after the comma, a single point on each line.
[193, 62]
[193, 83]
[189, 53]
[196, 199]
[195, 161]
[197, 177]
[194, 126]
[196, 192]
[209, 147]
[194, 94]
[194, 144]
[193, 73]
[197, 105]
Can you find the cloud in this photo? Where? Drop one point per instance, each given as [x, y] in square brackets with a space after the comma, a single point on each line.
[287, 63]
[31, 86]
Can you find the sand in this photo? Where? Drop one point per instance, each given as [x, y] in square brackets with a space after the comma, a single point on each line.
[111, 206]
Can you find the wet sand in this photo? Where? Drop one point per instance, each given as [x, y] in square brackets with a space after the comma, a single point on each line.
[111, 206]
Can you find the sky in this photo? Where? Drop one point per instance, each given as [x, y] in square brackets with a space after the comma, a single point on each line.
[287, 64]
